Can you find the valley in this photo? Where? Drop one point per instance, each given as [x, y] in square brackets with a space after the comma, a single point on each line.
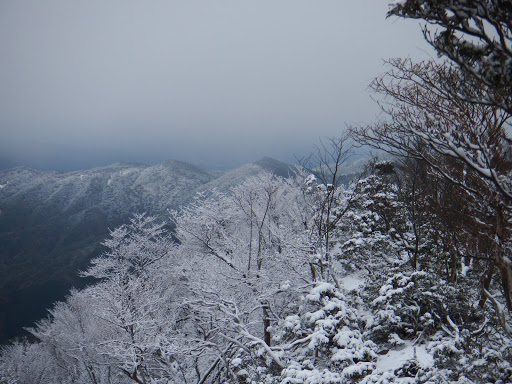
[53, 223]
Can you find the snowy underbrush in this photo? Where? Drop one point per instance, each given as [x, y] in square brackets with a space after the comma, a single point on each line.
[325, 342]
[417, 330]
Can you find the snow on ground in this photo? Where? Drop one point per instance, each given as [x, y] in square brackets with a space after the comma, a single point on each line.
[126, 172]
[395, 359]
[352, 281]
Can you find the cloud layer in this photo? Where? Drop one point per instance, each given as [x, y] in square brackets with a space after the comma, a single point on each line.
[211, 82]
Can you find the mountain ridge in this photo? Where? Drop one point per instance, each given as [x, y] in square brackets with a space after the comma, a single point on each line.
[53, 222]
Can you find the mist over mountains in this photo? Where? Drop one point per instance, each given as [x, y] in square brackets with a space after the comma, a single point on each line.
[52, 223]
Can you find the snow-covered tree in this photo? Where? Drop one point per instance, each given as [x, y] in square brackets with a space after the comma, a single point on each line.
[247, 246]
[72, 337]
[374, 229]
[464, 144]
[134, 298]
[26, 363]
[476, 36]
[329, 198]
[325, 342]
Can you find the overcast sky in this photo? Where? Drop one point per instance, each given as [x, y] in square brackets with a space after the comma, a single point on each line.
[212, 82]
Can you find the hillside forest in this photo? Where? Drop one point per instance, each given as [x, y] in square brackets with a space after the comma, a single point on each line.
[401, 276]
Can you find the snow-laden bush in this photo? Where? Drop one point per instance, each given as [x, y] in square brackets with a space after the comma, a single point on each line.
[325, 342]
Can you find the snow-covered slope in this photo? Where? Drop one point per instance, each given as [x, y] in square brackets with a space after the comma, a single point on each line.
[52, 223]
[229, 179]
[116, 190]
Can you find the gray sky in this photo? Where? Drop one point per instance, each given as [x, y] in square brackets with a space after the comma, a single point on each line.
[212, 82]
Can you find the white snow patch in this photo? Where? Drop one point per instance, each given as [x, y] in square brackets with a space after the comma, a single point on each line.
[396, 3]
[465, 269]
[355, 241]
[236, 362]
[358, 369]
[310, 179]
[109, 180]
[352, 281]
[2, 186]
[395, 359]
[321, 288]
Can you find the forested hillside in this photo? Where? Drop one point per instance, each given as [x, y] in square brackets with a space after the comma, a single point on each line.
[53, 223]
[281, 280]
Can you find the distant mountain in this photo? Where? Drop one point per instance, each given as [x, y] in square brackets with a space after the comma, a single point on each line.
[53, 223]
[230, 179]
